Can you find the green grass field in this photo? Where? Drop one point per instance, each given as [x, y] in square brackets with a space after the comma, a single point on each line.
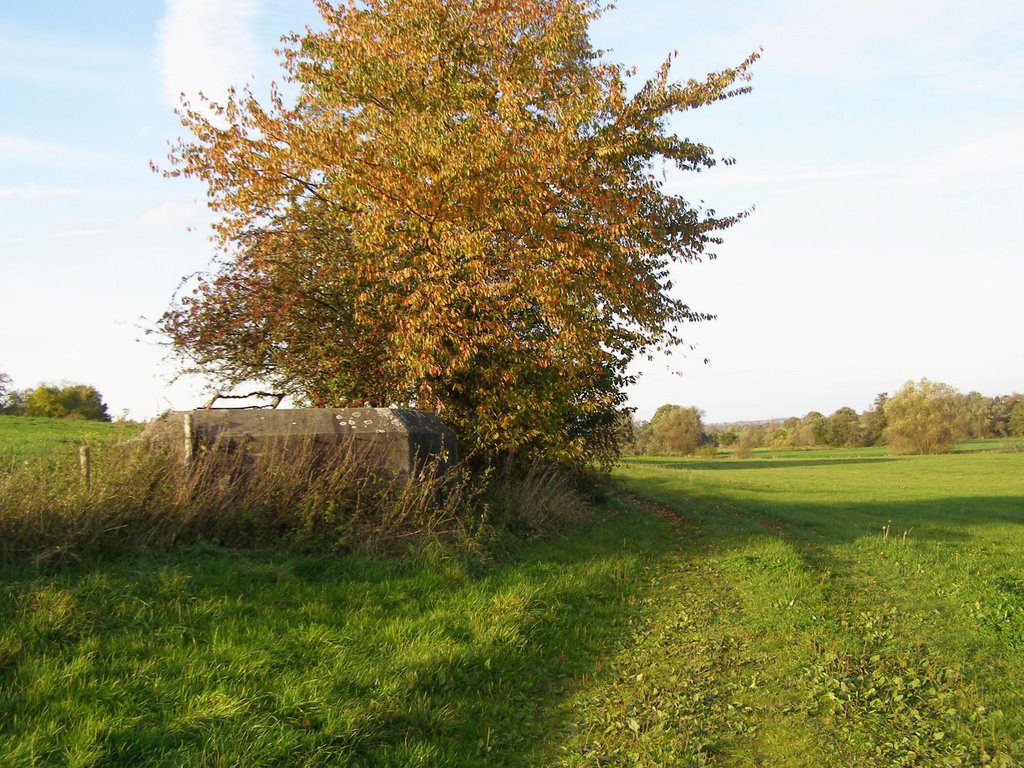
[811, 608]
[210, 657]
[25, 437]
[873, 606]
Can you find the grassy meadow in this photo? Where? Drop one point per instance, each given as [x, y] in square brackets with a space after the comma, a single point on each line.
[873, 606]
[792, 609]
[30, 437]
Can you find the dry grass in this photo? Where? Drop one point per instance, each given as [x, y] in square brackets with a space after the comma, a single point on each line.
[293, 494]
[536, 500]
[140, 497]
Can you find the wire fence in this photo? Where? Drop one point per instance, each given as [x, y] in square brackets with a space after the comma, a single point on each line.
[61, 457]
[27, 441]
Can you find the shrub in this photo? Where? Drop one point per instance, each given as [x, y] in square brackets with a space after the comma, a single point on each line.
[76, 401]
[674, 431]
[923, 418]
[745, 444]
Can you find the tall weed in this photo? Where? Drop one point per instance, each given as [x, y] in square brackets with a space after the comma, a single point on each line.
[536, 500]
[295, 494]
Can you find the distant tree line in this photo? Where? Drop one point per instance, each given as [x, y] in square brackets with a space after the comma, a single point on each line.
[64, 401]
[923, 417]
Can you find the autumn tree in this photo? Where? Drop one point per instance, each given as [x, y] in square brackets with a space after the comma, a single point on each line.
[813, 429]
[1015, 416]
[750, 438]
[999, 416]
[723, 437]
[75, 401]
[83, 401]
[43, 401]
[924, 417]
[5, 385]
[843, 429]
[873, 422]
[458, 211]
[981, 416]
[674, 430]
[777, 437]
[626, 433]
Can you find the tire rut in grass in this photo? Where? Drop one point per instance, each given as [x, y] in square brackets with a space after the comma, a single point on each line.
[811, 660]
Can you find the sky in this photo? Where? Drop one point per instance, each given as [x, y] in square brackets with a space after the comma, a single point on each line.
[881, 154]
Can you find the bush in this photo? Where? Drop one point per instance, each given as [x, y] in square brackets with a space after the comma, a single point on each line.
[745, 444]
[923, 418]
[674, 431]
[707, 451]
[73, 401]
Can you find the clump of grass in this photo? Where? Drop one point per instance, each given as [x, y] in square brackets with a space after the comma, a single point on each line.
[293, 493]
[707, 451]
[536, 500]
[143, 497]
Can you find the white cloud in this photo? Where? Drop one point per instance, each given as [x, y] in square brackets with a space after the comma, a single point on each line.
[80, 233]
[955, 48]
[205, 45]
[20, 149]
[173, 216]
[37, 192]
[993, 160]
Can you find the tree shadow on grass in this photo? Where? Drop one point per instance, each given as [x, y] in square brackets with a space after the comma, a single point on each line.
[350, 661]
[838, 521]
[817, 562]
[340, 661]
[677, 464]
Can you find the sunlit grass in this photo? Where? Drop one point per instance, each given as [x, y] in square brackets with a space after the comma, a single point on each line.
[29, 437]
[805, 608]
[257, 659]
[874, 608]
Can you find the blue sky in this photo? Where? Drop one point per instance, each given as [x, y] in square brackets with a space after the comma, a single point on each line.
[882, 148]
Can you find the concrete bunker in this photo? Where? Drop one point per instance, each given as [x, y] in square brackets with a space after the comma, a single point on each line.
[394, 442]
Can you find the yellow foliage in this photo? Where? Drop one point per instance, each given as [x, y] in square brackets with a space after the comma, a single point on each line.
[456, 213]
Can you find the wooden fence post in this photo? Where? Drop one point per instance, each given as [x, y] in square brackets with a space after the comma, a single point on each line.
[85, 465]
[189, 445]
